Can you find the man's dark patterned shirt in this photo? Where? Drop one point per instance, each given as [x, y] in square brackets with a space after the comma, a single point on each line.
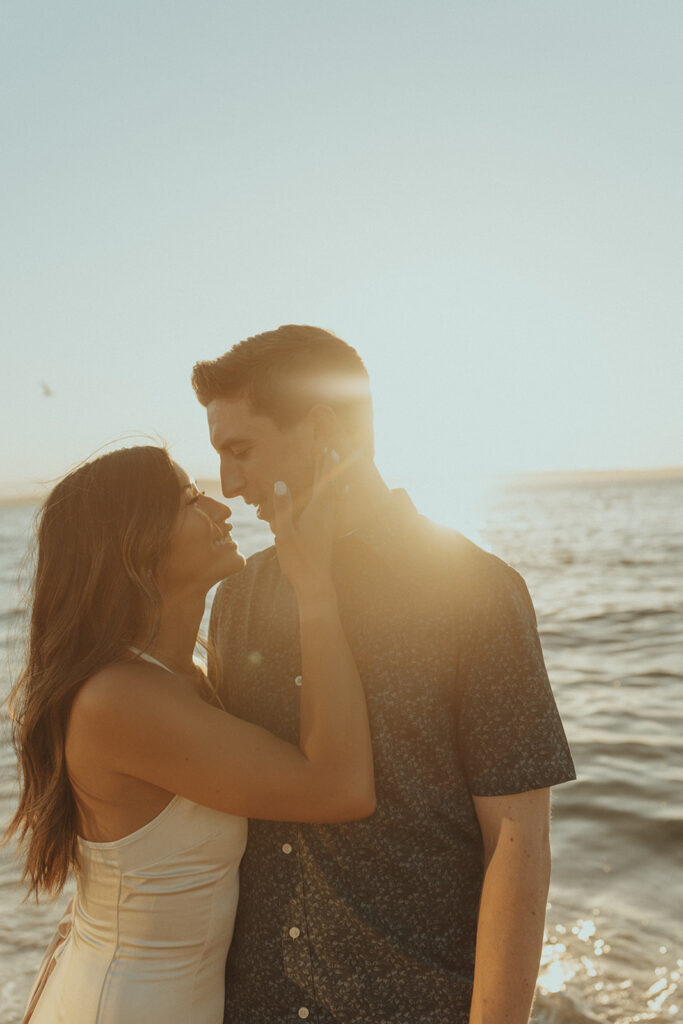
[374, 921]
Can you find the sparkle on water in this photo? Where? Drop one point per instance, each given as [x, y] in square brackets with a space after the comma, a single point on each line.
[561, 964]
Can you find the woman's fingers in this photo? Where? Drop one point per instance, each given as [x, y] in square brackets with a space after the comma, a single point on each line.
[326, 467]
[323, 506]
[326, 471]
[282, 507]
[304, 538]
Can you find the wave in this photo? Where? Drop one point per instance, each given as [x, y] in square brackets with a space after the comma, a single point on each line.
[560, 1008]
[625, 616]
[11, 614]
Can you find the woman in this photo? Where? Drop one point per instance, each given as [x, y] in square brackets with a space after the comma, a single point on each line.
[131, 775]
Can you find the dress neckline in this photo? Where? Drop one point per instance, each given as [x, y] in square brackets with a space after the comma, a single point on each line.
[112, 843]
[148, 657]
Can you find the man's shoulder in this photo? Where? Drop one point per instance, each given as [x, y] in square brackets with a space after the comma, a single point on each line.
[461, 559]
[478, 586]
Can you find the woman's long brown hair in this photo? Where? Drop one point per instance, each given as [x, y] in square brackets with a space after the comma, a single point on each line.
[100, 535]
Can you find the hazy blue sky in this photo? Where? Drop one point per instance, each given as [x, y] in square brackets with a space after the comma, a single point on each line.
[484, 198]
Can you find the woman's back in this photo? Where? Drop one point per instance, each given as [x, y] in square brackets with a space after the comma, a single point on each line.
[151, 925]
[111, 802]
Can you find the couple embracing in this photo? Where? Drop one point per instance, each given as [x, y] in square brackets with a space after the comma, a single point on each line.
[376, 704]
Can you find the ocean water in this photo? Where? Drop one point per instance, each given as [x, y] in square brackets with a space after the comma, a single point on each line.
[604, 563]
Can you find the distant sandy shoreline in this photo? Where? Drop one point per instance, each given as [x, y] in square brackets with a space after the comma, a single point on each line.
[32, 494]
[569, 477]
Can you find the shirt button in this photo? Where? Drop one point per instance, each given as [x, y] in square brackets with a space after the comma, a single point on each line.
[303, 1012]
[299, 682]
[286, 847]
[295, 932]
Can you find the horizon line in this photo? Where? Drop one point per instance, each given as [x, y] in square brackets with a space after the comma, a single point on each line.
[24, 494]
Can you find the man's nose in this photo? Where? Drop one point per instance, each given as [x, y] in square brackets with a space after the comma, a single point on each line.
[232, 480]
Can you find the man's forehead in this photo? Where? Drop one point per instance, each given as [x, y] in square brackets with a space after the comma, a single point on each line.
[233, 419]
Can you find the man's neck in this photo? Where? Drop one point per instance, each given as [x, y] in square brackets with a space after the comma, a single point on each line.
[364, 495]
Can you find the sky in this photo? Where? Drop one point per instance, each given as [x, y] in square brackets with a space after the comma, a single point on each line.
[483, 198]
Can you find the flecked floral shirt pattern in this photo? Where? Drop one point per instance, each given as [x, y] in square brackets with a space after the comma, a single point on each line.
[374, 922]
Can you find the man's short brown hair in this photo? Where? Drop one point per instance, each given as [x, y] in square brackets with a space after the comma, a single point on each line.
[285, 372]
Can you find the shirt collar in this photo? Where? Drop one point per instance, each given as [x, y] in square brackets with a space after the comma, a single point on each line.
[385, 532]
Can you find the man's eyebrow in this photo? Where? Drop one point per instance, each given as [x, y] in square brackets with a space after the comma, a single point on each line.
[230, 442]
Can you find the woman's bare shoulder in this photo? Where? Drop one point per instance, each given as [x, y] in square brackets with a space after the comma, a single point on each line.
[128, 687]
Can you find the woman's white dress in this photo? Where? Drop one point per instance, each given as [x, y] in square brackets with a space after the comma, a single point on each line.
[148, 936]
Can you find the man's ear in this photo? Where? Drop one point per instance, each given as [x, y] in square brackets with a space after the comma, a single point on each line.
[325, 426]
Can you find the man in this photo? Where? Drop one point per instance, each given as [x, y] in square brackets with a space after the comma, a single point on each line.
[432, 910]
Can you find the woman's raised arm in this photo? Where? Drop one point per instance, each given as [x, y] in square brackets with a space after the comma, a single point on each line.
[156, 728]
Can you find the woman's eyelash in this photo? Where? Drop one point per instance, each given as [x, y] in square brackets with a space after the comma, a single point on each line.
[195, 497]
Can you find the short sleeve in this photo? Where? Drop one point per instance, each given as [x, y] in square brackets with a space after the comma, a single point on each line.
[510, 736]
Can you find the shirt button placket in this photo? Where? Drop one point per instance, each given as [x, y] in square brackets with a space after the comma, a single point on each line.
[303, 1012]
[295, 949]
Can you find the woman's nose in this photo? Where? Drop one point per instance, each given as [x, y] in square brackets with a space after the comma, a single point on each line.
[219, 511]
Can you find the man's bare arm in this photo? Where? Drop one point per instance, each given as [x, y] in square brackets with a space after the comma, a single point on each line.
[515, 831]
